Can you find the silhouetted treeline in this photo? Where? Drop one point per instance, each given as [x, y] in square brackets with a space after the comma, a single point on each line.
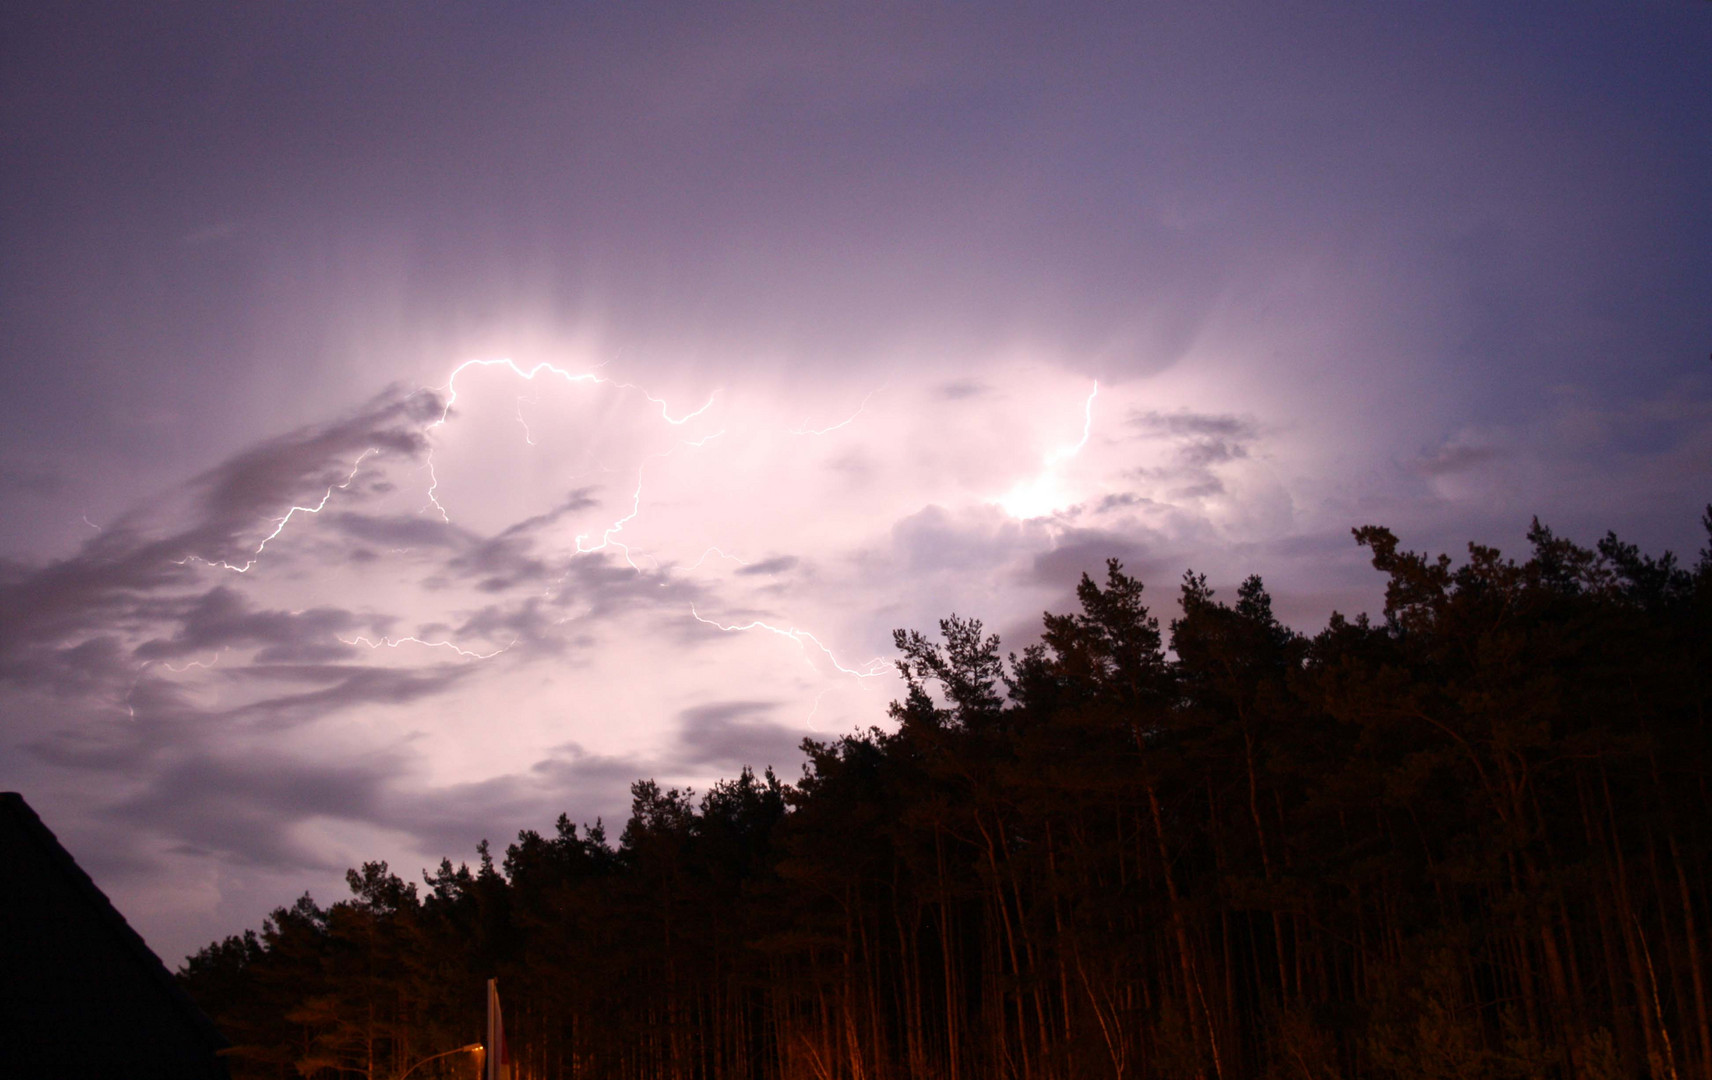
[1471, 840]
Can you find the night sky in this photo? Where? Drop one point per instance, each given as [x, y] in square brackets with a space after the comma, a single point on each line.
[635, 370]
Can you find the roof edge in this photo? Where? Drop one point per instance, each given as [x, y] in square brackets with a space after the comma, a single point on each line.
[12, 803]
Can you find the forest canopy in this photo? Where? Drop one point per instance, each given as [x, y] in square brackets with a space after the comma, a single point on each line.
[1469, 839]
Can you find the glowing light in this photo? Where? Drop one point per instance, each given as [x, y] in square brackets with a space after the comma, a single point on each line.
[528, 375]
[875, 667]
[568, 376]
[1046, 492]
[1035, 498]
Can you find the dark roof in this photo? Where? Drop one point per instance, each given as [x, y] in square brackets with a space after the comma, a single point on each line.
[81, 994]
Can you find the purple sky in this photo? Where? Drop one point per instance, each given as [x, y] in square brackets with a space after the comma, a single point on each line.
[772, 330]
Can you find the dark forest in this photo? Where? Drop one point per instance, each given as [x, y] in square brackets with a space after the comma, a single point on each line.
[1472, 839]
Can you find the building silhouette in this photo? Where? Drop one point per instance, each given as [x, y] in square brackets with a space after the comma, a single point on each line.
[81, 994]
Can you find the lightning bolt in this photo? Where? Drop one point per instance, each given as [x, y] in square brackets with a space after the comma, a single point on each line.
[1069, 452]
[393, 643]
[91, 524]
[875, 667]
[528, 375]
[451, 387]
[607, 537]
[809, 719]
[527, 437]
[188, 664]
[130, 710]
[806, 430]
[664, 415]
[715, 551]
[279, 527]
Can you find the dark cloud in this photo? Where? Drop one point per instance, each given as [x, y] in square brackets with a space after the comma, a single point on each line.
[533, 624]
[857, 464]
[961, 390]
[933, 539]
[288, 470]
[1200, 442]
[570, 780]
[96, 664]
[500, 564]
[603, 583]
[576, 779]
[580, 499]
[1456, 458]
[349, 686]
[1120, 501]
[775, 565]
[509, 559]
[45, 611]
[31, 480]
[732, 734]
[245, 808]
[222, 619]
[126, 576]
[401, 530]
[1204, 486]
[108, 632]
[1203, 452]
[1085, 551]
[1193, 425]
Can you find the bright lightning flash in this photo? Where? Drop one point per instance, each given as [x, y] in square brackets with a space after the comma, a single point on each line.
[1043, 493]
